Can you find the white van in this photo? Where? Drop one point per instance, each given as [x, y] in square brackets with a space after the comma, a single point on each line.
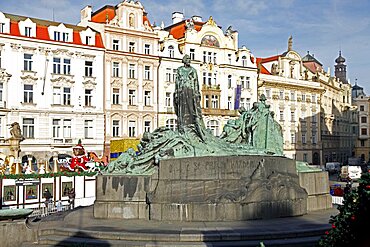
[332, 167]
[353, 172]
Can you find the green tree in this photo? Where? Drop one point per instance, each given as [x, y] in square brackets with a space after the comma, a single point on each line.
[351, 226]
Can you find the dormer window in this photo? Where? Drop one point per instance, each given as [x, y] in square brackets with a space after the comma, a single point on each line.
[244, 61]
[2, 26]
[65, 37]
[27, 31]
[171, 51]
[88, 40]
[56, 35]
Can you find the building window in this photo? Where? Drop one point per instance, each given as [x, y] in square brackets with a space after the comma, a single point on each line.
[115, 45]
[131, 128]
[88, 40]
[242, 81]
[56, 35]
[57, 128]
[131, 97]
[214, 58]
[362, 108]
[56, 65]
[147, 126]
[27, 31]
[244, 61]
[292, 95]
[131, 71]
[209, 78]
[209, 57]
[229, 103]
[67, 128]
[66, 96]
[292, 116]
[314, 119]
[115, 126]
[168, 74]
[131, 47]
[229, 81]
[115, 96]
[147, 98]
[171, 124]
[248, 104]
[363, 131]
[88, 68]
[204, 56]
[268, 93]
[206, 101]
[215, 101]
[147, 72]
[242, 102]
[57, 95]
[292, 138]
[281, 116]
[213, 126]
[115, 69]
[67, 66]
[192, 54]
[305, 157]
[247, 82]
[65, 37]
[313, 98]
[89, 129]
[88, 97]
[314, 139]
[363, 119]
[281, 94]
[229, 58]
[171, 51]
[168, 99]
[28, 128]
[2, 26]
[28, 93]
[303, 97]
[147, 49]
[27, 62]
[303, 138]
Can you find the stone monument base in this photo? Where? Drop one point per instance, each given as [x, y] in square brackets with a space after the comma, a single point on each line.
[205, 189]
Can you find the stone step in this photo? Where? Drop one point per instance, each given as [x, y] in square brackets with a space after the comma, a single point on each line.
[183, 236]
[56, 240]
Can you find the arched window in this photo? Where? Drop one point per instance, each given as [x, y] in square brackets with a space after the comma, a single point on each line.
[229, 81]
[244, 61]
[171, 51]
[214, 126]
[171, 123]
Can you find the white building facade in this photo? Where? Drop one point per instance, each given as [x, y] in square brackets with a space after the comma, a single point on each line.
[131, 69]
[227, 74]
[51, 83]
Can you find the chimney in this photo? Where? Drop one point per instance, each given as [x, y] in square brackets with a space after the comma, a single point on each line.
[197, 18]
[86, 13]
[177, 17]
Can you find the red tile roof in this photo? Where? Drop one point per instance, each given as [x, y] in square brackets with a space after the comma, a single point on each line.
[42, 32]
[104, 13]
[177, 30]
[262, 68]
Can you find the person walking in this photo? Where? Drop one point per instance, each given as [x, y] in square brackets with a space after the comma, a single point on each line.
[71, 198]
[47, 196]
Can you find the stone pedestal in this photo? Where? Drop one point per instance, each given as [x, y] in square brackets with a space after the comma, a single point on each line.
[205, 189]
[318, 189]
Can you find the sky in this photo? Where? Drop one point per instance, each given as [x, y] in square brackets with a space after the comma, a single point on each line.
[322, 27]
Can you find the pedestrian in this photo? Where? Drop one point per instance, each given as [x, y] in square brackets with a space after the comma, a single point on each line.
[48, 197]
[71, 198]
[347, 189]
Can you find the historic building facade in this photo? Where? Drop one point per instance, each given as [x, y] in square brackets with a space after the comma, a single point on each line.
[51, 83]
[131, 69]
[227, 74]
[338, 115]
[296, 103]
